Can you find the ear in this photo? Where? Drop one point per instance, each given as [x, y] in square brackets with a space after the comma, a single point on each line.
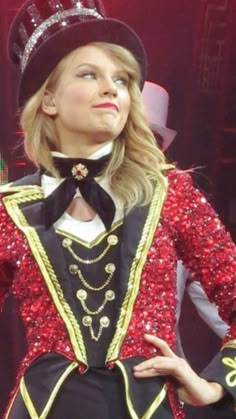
[48, 104]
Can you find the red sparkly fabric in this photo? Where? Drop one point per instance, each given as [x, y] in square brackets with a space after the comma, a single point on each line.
[45, 330]
[41, 319]
[188, 229]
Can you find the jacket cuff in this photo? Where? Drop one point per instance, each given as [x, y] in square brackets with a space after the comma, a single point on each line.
[222, 370]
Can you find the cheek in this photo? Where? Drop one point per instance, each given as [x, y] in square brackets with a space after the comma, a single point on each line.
[72, 96]
[79, 96]
[126, 103]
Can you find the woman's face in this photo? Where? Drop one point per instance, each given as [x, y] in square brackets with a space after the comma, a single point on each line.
[91, 100]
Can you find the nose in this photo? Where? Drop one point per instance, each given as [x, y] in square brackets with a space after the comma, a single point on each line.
[109, 88]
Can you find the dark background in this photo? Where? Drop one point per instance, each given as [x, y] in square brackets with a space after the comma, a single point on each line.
[191, 51]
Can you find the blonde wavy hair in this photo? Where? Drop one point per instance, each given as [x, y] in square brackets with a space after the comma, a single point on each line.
[136, 163]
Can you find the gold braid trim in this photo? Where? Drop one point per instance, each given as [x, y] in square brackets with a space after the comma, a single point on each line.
[136, 270]
[6, 416]
[231, 344]
[12, 206]
[230, 378]
[28, 402]
[230, 362]
[154, 405]
[10, 188]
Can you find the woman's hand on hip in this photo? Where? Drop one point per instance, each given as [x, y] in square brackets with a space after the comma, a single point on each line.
[192, 389]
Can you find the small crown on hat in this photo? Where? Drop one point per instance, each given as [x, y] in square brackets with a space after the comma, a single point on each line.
[40, 19]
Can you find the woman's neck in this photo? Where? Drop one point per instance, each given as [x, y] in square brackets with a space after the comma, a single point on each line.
[95, 151]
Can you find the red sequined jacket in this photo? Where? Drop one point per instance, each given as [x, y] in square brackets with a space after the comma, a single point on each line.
[177, 224]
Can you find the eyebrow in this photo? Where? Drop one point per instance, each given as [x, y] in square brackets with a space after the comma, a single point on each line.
[120, 70]
[84, 64]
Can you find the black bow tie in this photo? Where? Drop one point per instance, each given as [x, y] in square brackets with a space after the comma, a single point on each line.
[79, 173]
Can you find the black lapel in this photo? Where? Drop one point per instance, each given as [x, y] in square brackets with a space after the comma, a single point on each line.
[33, 212]
[34, 179]
[131, 235]
[51, 243]
[47, 250]
[138, 231]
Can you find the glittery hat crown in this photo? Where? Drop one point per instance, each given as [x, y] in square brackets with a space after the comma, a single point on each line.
[40, 19]
[44, 31]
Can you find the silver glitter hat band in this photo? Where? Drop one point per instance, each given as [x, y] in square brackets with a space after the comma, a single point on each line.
[45, 31]
[59, 17]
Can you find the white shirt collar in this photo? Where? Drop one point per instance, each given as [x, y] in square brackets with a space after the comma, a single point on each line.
[102, 151]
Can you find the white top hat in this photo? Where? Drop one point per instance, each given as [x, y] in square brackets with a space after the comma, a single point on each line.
[156, 101]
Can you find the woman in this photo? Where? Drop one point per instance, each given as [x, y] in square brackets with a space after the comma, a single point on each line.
[90, 242]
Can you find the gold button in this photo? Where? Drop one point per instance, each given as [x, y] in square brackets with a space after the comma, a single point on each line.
[73, 269]
[104, 321]
[87, 321]
[81, 295]
[110, 268]
[112, 239]
[66, 242]
[110, 295]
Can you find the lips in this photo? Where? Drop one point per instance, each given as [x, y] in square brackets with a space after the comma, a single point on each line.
[107, 105]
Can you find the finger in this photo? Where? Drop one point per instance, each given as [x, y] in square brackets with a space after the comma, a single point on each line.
[161, 344]
[161, 366]
[146, 373]
[148, 364]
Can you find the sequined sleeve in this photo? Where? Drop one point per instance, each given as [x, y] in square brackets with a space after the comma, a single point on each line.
[6, 262]
[210, 254]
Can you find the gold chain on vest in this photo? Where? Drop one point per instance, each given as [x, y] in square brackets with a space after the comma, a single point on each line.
[82, 297]
[82, 294]
[112, 240]
[109, 268]
[104, 323]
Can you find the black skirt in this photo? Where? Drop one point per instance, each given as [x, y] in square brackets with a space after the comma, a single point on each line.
[99, 394]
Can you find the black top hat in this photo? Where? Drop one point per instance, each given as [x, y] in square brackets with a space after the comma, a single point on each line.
[44, 31]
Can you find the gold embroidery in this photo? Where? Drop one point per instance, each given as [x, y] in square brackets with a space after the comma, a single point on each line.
[28, 402]
[12, 206]
[154, 405]
[135, 272]
[230, 378]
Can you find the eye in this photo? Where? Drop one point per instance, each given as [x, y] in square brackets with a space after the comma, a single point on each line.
[87, 75]
[122, 80]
